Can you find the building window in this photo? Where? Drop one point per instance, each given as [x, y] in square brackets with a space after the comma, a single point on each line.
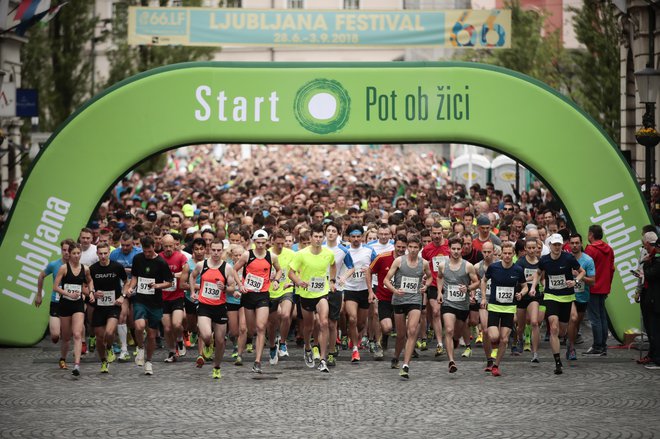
[294, 4]
[351, 4]
[231, 3]
[411, 4]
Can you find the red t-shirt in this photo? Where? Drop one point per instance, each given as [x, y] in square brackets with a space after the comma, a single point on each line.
[176, 263]
[380, 266]
[432, 251]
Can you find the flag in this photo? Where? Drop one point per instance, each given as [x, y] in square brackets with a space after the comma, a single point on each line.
[30, 12]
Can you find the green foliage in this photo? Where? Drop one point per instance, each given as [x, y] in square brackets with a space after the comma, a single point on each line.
[128, 60]
[597, 67]
[57, 63]
[588, 76]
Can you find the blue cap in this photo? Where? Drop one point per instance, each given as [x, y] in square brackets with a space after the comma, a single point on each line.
[356, 232]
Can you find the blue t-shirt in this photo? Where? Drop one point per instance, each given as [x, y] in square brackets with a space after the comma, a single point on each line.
[51, 269]
[582, 289]
[191, 265]
[126, 260]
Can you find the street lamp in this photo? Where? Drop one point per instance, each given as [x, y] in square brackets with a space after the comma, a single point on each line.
[648, 84]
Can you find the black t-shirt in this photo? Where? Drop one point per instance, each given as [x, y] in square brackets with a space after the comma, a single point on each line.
[148, 271]
[557, 272]
[108, 278]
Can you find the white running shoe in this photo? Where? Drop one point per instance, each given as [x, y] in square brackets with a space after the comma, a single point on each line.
[139, 358]
[148, 368]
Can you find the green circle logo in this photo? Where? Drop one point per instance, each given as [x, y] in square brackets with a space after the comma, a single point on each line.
[322, 106]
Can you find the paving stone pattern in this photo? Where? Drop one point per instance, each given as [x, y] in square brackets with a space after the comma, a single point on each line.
[608, 397]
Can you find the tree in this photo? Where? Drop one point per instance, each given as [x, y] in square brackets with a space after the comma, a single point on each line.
[57, 63]
[126, 60]
[597, 66]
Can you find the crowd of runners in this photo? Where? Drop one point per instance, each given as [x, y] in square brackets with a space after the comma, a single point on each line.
[368, 251]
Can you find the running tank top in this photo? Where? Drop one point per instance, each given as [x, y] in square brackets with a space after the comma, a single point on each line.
[213, 284]
[408, 279]
[73, 283]
[257, 273]
[481, 272]
[450, 288]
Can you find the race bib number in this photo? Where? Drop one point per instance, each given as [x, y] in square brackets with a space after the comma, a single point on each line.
[556, 282]
[143, 286]
[254, 283]
[504, 294]
[211, 291]
[282, 279]
[358, 274]
[175, 283]
[316, 285]
[529, 274]
[579, 287]
[454, 293]
[436, 260]
[108, 298]
[57, 297]
[409, 285]
[73, 289]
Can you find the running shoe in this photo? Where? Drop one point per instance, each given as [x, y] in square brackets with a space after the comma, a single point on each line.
[372, 347]
[331, 360]
[489, 367]
[514, 350]
[238, 361]
[182, 349]
[323, 367]
[171, 358]
[84, 348]
[139, 358]
[110, 356]
[193, 339]
[76, 371]
[558, 369]
[308, 356]
[62, 364]
[439, 350]
[394, 363]
[200, 361]
[644, 360]
[495, 371]
[535, 358]
[316, 353]
[652, 366]
[273, 356]
[527, 346]
[124, 357]
[256, 367]
[249, 348]
[283, 351]
[480, 339]
[129, 339]
[521, 347]
[234, 353]
[364, 343]
[148, 368]
[467, 353]
[571, 355]
[452, 367]
[186, 341]
[116, 348]
[424, 346]
[461, 342]
[378, 352]
[355, 356]
[430, 334]
[216, 373]
[104, 367]
[405, 372]
[207, 352]
[92, 344]
[418, 343]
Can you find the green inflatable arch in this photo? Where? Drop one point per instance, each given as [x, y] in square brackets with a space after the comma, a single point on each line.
[314, 103]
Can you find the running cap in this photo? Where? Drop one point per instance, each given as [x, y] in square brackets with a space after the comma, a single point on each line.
[188, 210]
[556, 238]
[483, 220]
[260, 234]
[191, 230]
[356, 232]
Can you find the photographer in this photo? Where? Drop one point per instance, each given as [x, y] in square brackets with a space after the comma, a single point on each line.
[651, 298]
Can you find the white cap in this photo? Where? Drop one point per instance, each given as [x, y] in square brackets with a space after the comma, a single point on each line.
[260, 234]
[190, 230]
[206, 227]
[556, 238]
[650, 238]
